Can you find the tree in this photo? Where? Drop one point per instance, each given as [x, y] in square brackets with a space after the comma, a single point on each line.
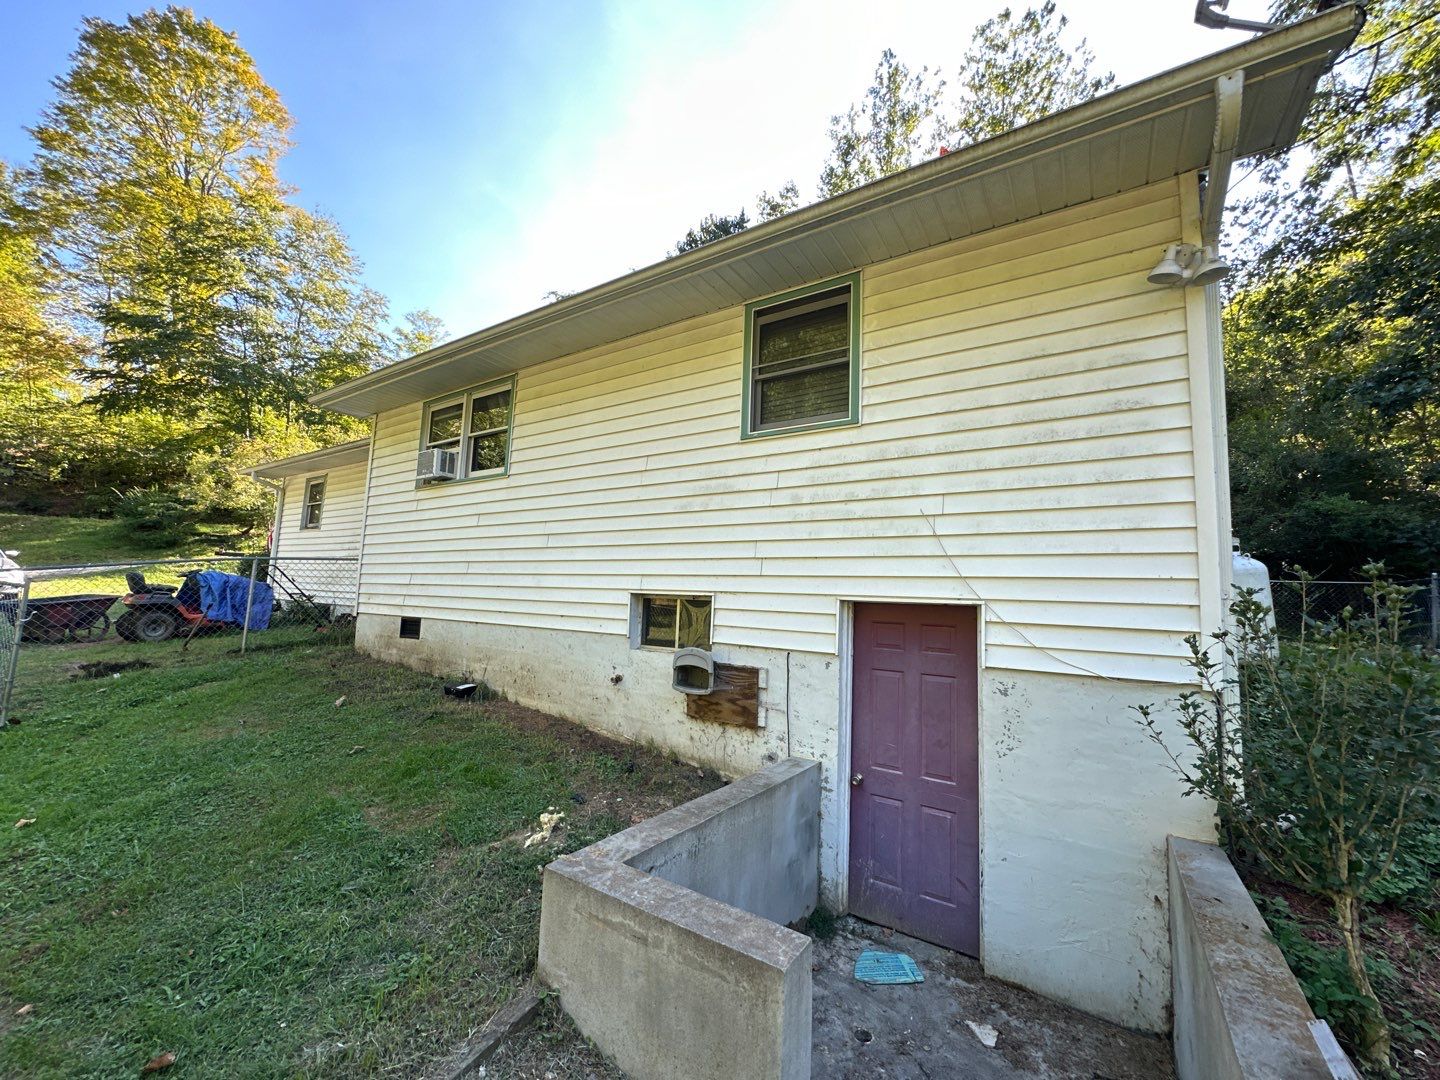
[423, 330]
[881, 135]
[1334, 383]
[712, 227]
[1320, 754]
[786, 199]
[202, 292]
[1019, 69]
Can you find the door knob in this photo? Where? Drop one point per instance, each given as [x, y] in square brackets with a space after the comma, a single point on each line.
[856, 778]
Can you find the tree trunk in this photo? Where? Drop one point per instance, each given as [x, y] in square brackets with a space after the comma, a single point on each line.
[1374, 1029]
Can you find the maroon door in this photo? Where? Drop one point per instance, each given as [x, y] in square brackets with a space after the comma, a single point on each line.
[915, 777]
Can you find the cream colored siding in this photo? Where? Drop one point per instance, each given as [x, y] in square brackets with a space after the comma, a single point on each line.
[1026, 437]
[340, 517]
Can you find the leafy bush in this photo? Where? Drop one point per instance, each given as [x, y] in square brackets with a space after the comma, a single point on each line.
[1416, 867]
[1321, 755]
[157, 517]
[1322, 970]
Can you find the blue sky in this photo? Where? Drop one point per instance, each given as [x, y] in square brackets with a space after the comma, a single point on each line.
[479, 154]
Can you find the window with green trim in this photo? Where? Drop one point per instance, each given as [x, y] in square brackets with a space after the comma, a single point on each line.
[802, 367]
[475, 426]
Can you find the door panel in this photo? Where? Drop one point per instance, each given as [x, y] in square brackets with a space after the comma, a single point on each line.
[914, 811]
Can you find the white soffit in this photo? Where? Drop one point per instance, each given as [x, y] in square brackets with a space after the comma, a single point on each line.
[1141, 134]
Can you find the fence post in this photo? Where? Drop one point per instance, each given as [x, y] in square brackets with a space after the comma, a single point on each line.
[1434, 610]
[13, 660]
[249, 602]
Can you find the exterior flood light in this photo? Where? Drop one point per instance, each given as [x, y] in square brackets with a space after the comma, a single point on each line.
[1186, 264]
[1208, 267]
[1169, 270]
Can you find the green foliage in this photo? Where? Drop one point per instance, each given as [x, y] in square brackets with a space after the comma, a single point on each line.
[881, 135]
[164, 307]
[1334, 388]
[712, 227]
[1416, 869]
[1321, 969]
[786, 199]
[156, 517]
[1019, 69]
[1321, 754]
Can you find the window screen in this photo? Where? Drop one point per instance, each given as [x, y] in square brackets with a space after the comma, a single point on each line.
[314, 503]
[802, 361]
[675, 622]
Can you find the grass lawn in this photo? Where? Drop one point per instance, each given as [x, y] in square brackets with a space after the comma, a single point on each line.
[65, 541]
[226, 865]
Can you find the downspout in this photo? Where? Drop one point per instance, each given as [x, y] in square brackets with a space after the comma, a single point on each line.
[365, 512]
[278, 490]
[1229, 91]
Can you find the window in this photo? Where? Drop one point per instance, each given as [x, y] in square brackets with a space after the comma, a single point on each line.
[314, 503]
[673, 622]
[476, 426]
[410, 627]
[802, 359]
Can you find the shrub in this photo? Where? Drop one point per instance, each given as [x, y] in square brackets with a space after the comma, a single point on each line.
[158, 518]
[1321, 755]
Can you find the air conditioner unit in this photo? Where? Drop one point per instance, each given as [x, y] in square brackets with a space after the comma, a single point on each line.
[437, 465]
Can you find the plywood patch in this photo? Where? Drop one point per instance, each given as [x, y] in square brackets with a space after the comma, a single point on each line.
[735, 699]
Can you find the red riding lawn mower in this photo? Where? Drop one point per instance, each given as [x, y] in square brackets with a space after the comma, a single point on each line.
[160, 612]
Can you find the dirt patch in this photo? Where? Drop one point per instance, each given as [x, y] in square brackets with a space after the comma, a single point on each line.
[550, 1048]
[103, 669]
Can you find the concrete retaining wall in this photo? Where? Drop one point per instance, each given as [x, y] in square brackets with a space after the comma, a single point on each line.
[1076, 801]
[665, 941]
[1239, 1013]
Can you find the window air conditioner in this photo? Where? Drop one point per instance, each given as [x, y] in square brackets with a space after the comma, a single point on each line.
[437, 465]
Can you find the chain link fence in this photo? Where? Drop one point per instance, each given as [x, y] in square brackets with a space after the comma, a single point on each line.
[141, 605]
[1324, 600]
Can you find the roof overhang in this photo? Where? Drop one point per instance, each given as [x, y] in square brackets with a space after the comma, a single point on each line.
[1154, 130]
[315, 461]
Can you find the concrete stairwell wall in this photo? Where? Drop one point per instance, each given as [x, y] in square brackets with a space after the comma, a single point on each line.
[667, 942]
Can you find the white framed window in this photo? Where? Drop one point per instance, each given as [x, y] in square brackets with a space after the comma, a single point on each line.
[802, 359]
[670, 622]
[474, 425]
[314, 503]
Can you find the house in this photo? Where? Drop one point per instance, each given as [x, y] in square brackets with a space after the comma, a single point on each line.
[319, 511]
[934, 473]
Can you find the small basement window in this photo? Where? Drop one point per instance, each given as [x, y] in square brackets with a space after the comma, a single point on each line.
[314, 503]
[410, 627]
[802, 359]
[672, 622]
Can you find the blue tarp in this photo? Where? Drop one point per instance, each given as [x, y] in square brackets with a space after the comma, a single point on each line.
[222, 598]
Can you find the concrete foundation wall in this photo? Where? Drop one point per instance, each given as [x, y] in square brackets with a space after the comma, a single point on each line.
[671, 981]
[1076, 803]
[1239, 1013]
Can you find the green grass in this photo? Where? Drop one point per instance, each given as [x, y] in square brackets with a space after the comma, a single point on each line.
[226, 865]
[66, 541]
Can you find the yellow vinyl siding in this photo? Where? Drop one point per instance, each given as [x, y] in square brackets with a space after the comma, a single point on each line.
[340, 515]
[1025, 390]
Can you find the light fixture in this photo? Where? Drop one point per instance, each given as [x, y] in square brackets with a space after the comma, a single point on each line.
[1170, 270]
[1208, 267]
[1186, 264]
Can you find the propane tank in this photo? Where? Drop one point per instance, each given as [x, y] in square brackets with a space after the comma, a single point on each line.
[1248, 572]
